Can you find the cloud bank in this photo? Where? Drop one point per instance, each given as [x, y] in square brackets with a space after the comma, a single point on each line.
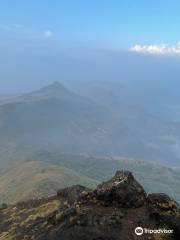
[162, 49]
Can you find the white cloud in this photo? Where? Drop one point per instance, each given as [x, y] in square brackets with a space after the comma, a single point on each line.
[48, 34]
[162, 49]
[28, 32]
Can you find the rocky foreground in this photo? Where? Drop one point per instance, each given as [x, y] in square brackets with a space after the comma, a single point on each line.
[112, 211]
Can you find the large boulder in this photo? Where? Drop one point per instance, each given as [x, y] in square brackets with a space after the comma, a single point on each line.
[122, 190]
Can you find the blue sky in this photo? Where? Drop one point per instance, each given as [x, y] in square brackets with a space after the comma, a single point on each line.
[102, 23]
[43, 41]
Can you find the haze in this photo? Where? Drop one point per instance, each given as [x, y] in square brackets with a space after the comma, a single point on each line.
[86, 89]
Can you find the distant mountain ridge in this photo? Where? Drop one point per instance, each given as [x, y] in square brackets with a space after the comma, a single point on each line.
[56, 118]
[64, 126]
[54, 90]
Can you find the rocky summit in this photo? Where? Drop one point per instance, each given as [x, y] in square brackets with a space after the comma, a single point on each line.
[112, 211]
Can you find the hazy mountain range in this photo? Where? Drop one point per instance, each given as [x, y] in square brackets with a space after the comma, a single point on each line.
[56, 118]
[54, 134]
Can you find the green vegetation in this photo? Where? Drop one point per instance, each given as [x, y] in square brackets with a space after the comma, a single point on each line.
[44, 173]
[34, 180]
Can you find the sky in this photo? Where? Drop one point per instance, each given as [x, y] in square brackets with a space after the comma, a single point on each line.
[113, 24]
[36, 32]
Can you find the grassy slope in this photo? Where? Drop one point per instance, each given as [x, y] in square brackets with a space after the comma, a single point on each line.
[36, 180]
[153, 176]
[45, 173]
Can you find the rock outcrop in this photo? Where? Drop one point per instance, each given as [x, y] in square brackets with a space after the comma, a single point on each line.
[112, 211]
[122, 191]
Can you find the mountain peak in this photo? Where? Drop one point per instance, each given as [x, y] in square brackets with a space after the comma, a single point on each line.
[55, 85]
[55, 88]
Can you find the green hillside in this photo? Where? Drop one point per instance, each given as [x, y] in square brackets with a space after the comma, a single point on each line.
[33, 180]
[44, 173]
